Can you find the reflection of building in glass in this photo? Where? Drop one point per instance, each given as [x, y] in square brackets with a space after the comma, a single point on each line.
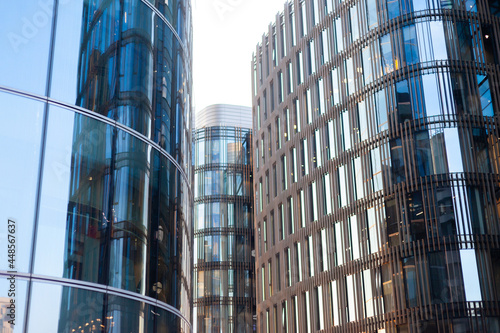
[224, 265]
[106, 214]
[376, 167]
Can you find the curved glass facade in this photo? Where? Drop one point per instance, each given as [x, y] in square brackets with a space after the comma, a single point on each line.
[376, 158]
[95, 129]
[224, 269]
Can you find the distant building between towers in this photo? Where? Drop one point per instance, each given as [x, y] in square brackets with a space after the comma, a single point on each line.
[224, 267]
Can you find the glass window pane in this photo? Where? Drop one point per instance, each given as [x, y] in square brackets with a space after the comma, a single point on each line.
[302, 210]
[453, 150]
[410, 44]
[310, 256]
[314, 202]
[339, 243]
[321, 97]
[386, 53]
[339, 34]
[393, 8]
[298, 254]
[438, 40]
[358, 173]
[367, 65]
[325, 50]
[305, 157]
[368, 293]
[351, 87]
[68, 50]
[470, 275]
[485, 96]
[294, 165]
[403, 101]
[373, 230]
[300, 65]
[324, 251]
[410, 276]
[371, 10]
[351, 298]
[303, 17]
[354, 23]
[336, 93]
[21, 123]
[291, 223]
[439, 286]
[431, 95]
[335, 304]
[309, 106]
[381, 110]
[312, 57]
[353, 221]
[292, 25]
[327, 204]
[346, 129]
[376, 169]
[343, 184]
[26, 41]
[55, 308]
[307, 309]
[331, 138]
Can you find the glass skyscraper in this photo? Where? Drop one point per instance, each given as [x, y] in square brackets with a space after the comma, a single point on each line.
[224, 267]
[95, 137]
[376, 167]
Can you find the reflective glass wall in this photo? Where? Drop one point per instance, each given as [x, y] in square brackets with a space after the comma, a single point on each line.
[224, 267]
[95, 127]
[376, 167]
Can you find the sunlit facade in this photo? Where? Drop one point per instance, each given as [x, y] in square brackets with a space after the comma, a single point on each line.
[376, 167]
[224, 267]
[95, 135]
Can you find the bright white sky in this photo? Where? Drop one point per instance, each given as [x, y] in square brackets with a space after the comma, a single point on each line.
[225, 35]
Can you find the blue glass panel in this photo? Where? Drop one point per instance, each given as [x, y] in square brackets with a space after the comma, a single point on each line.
[21, 121]
[386, 53]
[410, 44]
[381, 110]
[372, 13]
[403, 101]
[26, 27]
[485, 96]
[423, 154]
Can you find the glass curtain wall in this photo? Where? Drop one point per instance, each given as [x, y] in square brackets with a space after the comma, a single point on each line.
[95, 127]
